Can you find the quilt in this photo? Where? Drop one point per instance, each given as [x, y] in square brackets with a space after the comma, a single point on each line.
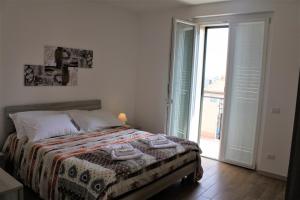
[78, 167]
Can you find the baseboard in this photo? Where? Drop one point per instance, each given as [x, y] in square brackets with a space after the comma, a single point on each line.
[271, 175]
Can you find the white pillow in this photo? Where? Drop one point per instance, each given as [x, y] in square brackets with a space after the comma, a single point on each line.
[94, 120]
[17, 119]
[37, 125]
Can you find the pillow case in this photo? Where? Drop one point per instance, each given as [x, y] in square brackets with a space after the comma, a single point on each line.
[94, 120]
[17, 120]
[37, 125]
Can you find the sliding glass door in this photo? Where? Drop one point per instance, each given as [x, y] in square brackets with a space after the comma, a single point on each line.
[181, 78]
[244, 86]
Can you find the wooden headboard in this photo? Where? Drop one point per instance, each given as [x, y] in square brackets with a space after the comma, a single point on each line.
[78, 105]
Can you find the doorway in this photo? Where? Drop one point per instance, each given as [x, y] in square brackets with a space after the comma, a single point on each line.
[213, 82]
[216, 83]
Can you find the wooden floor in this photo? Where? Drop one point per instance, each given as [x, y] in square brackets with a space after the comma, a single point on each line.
[226, 182]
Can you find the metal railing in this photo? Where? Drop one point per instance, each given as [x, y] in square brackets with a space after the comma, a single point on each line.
[220, 101]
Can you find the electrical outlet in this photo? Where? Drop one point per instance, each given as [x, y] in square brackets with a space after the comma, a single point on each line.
[271, 157]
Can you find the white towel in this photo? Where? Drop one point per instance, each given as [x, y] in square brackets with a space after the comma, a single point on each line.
[124, 146]
[156, 137]
[137, 154]
[123, 151]
[161, 146]
[159, 141]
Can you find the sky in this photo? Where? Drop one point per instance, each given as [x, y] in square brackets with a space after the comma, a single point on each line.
[216, 53]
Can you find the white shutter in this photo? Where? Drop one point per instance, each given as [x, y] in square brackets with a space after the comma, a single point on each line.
[243, 91]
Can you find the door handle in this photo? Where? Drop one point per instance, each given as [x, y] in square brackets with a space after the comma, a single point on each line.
[169, 101]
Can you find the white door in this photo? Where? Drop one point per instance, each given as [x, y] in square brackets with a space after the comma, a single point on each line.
[181, 78]
[244, 91]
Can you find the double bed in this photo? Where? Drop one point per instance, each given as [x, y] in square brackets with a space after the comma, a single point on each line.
[78, 167]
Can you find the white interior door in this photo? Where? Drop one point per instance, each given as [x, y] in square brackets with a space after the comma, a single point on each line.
[244, 85]
[181, 78]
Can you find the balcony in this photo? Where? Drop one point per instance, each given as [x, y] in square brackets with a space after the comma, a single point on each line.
[211, 123]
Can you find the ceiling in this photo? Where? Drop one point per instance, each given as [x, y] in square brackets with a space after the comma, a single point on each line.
[152, 5]
[146, 5]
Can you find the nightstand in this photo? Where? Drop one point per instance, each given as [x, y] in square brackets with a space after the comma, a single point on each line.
[10, 188]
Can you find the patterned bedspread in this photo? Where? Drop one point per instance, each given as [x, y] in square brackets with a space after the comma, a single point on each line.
[77, 167]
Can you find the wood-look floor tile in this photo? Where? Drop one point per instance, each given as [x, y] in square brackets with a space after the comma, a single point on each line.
[226, 182]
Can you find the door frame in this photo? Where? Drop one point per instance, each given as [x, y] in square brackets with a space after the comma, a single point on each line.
[228, 19]
[216, 20]
[204, 28]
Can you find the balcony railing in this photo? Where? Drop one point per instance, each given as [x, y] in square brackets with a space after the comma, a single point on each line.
[212, 113]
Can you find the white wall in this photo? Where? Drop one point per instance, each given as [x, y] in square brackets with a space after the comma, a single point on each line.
[282, 75]
[1, 69]
[109, 31]
[116, 36]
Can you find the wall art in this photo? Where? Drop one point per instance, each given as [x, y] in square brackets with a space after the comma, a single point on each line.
[40, 75]
[67, 57]
[60, 67]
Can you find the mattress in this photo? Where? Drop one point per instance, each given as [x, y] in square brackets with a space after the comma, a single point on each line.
[78, 167]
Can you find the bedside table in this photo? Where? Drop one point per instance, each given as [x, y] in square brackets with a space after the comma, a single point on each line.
[10, 188]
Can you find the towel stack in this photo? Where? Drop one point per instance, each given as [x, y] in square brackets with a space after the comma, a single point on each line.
[159, 141]
[123, 152]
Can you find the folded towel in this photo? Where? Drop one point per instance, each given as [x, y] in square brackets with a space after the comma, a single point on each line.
[124, 152]
[159, 141]
[137, 154]
[124, 146]
[156, 137]
[161, 146]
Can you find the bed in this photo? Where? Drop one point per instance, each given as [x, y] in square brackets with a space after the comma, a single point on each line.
[76, 167]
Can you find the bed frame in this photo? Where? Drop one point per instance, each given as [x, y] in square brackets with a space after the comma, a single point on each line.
[144, 192]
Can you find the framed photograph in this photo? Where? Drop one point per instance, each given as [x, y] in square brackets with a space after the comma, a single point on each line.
[39, 75]
[68, 57]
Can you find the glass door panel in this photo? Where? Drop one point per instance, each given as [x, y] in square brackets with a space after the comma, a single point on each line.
[181, 75]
